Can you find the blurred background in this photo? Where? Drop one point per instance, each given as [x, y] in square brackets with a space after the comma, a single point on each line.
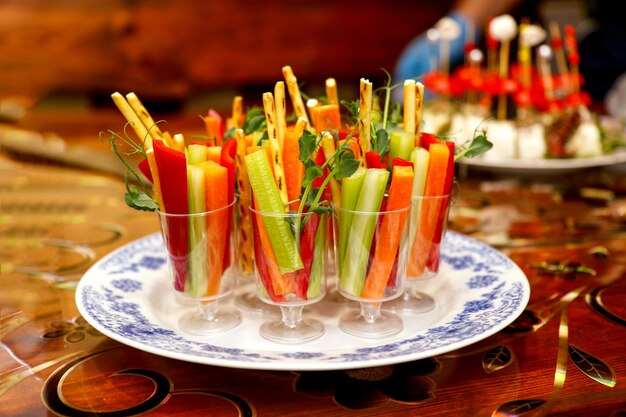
[194, 55]
[172, 52]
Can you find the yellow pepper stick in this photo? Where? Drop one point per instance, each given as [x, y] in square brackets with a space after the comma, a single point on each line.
[237, 113]
[156, 182]
[328, 146]
[409, 106]
[279, 174]
[132, 118]
[179, 142]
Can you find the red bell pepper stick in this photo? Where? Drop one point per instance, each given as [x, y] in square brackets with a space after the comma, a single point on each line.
[144, 167]
[227, 160]
[373, 160]
[427, 139]
[172, 168]
[262, 267]
[401, 162]
[320, 159]
[307, 252]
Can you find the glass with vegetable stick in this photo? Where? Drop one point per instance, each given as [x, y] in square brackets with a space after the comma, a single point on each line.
[290, 273]
[291, 228]
[199, 254]
[371, 247]
[427, 228]
[246, 295]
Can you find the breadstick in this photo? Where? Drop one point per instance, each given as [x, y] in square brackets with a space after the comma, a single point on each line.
[365, 118]
[331, 91]
[281, 113]
[294, 92]
[279, 173]
[146, 119]
[419, 105]
[244, 229]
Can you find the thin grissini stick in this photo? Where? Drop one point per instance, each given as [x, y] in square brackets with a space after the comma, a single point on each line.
[409, 106]
[132, 118]
[294, 92]
[281, 113]
[365, 118]
[244, 231]
[328, 147]
[419, 105]
[146, 119]
[277, 158]
[301, 124]
[331, 91]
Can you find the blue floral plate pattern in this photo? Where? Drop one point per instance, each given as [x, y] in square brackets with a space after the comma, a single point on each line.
[127, 296]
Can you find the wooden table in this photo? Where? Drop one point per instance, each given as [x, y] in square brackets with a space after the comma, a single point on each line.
[564, 356]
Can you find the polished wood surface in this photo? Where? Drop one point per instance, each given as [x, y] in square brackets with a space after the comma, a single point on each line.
[563, 357]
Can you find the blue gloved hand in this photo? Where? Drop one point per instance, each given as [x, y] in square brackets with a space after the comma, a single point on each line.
[415, 60]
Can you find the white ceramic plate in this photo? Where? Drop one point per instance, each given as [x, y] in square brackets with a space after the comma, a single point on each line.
[127, 296]
[543, 166]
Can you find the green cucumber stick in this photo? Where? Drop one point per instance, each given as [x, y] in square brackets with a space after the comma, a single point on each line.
[350, 189]
[319, 249]
[352, 268]
[401, 144]
[196, 153]
[419, 158]
[268, 200]
[196, 282]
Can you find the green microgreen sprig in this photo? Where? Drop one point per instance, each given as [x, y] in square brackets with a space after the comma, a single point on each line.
[136, 197]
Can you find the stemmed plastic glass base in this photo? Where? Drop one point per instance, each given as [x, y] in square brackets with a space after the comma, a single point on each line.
[292, 328]
[247, 299]
[209, 318]
[370, 322]
[413, 301]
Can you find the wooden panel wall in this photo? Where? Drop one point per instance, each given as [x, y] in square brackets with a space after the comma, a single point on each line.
[174, 48]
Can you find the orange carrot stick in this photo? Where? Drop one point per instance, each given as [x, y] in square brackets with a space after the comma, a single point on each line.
[282, 284]
[216, 186]
[293, 168]
[435, 184]
[390, 233]
[325, 117]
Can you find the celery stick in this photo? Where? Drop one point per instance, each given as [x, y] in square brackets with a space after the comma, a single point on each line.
[420, 158]
[352, 269]
[350, 189]
[196, 282]
[401, 144]
[315, 277]
[196, 153]
[268, 200]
